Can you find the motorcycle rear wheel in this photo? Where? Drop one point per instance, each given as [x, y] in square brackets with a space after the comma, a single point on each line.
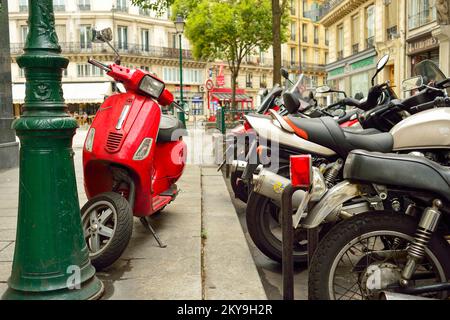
[340, 246]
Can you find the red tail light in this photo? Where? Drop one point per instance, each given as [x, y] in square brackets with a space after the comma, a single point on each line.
[301, 171]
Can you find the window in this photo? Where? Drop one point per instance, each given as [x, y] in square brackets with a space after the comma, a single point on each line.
[293, 7]
[316, 57]
[145, 40]
[293, 31]
[61, 33]
[293, 56]
[85, 39]
[370, 26]
[23, 33]
[316, 35]
[190, 76]
[305, 32]
[421, 12]
[391, 20]
[327, 37]
[122, 5]
[59, 5]
[23, 5]
[304, 55]
[340, 42]
[263, 83]
[327, 59]
[87, 70]
[122, 38]
[355, 34]
[84, 5]
[249, 80]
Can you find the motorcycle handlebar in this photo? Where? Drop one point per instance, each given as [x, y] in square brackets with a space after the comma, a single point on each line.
[100, 65]
[439, 102]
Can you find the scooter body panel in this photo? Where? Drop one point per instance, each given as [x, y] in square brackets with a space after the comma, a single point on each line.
[121, 124]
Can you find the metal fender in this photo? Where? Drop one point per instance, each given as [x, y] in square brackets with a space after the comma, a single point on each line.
[327, 208]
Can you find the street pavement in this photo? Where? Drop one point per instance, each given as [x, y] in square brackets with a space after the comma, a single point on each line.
[207, 256]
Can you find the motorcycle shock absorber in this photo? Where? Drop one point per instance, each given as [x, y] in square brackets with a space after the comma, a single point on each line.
[332, 173]
[416, 251]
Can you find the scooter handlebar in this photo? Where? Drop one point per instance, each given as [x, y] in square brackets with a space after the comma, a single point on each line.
[100, 65]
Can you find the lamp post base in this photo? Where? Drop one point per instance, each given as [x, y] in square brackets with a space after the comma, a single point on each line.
[90, 290]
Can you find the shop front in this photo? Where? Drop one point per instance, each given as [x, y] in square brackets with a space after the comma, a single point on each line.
[353, 74]
[424, 47]
[222, 97]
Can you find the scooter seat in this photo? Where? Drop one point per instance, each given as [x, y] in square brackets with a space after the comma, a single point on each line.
[170, 129]
[326, 132]
[411, 172]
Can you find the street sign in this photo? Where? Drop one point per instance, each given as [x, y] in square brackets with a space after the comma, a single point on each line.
[209, 85]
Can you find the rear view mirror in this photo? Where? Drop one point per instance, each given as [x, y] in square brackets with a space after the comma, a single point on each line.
[101, 36]
[412, 83]
[383, 62]
[323, 89]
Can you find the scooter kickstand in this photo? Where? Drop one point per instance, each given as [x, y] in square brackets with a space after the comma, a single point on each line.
[147, 224]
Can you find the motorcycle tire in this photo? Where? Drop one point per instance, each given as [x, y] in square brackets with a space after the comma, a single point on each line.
[355, 228]
[119, 225]
[259, 209]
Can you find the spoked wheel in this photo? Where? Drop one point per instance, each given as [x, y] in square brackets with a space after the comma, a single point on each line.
[263, 223]
[107, 224]
[365, 255]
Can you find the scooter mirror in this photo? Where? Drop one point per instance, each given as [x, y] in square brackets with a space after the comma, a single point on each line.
[383, 62]
[284, 73]
[102, 36]
[412, 83]
[323, 89]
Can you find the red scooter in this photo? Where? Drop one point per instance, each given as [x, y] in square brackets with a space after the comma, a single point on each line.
[132, 158]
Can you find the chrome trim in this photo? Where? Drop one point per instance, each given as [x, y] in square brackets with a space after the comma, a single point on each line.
[284, 125]
[123, 116]
[327, 208]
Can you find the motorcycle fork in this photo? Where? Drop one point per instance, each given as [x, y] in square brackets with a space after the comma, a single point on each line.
[416, 252]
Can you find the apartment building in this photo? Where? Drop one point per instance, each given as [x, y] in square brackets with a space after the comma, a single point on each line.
[361, 32]
[144, 40]
[307, 48]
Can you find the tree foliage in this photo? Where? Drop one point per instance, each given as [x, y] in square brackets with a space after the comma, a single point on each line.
[159, 6]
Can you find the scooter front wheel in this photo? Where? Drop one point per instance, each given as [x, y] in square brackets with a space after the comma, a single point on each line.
[107, 224]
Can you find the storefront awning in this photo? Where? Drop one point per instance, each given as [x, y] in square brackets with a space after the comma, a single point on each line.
[89, 92]
[227, 97]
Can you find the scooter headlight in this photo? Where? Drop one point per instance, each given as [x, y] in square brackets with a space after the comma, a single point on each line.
[143, 150]
[90, 140]
[152, 86]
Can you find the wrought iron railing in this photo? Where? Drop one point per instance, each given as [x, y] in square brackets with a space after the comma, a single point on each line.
[355, 48]
[392, 33]
[370, 42]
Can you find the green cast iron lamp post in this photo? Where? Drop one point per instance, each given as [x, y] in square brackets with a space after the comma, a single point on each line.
[51, 259]
[179, 26]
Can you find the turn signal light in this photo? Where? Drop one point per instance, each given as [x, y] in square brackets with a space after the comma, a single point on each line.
[301, 171]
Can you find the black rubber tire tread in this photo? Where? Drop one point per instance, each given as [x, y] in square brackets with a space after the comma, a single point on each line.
[122, 235]
[344, 232]
[254, 214]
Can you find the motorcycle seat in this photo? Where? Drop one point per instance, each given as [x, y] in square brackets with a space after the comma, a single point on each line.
[410, 172]
[170, 129]
[326, 132]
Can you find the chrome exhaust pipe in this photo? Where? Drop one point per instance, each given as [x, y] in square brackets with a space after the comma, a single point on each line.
[271, 185]
[238, 166]
[386, 295]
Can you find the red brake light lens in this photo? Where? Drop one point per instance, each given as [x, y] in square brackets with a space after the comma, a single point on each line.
[247, 126]
[301, 171]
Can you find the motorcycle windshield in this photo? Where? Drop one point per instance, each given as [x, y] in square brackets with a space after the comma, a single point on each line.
[301, 92]
[430, 72]
[265, 105]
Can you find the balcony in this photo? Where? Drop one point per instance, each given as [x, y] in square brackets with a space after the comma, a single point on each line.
[340, 55]
[339, 9]
[144, 12]
[127, 49]
[305, 39]
[23, 8]
[392, 33]
[355, 48]
[249, 84]
[370, 42]
[121, 8]
[311, 67]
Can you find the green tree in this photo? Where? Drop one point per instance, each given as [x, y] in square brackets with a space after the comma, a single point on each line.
[229, 30]
[158, 6]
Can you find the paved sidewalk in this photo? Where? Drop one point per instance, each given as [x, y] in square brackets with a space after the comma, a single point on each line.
[219, 266]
